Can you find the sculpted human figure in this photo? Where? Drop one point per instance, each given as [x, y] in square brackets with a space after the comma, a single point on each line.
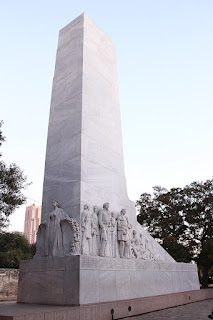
[53, 243]
[127, 249]
[86, 228]
[135, 245]
[104, 222]
[113, 234]
[142, 253]
[123, 238]
[95, 232]
[147, 253]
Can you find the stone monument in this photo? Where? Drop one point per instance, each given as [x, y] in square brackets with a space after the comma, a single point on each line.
[90, 248]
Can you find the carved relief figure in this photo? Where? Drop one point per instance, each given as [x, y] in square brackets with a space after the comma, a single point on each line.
[104, 222]
[95, 232]
[127, 250]
[123, 238]
[141, 246]
[113, 234]
[86, 227]
[147, 253]
[54, 234]
[135, 245]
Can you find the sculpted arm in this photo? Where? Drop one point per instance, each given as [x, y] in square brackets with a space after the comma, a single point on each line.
[83, 220]
[65, 217]
[119, 223]
[100, 219]
[94, 222]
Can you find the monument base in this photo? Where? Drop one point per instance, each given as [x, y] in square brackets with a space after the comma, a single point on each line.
[78, 280]
[101, 311]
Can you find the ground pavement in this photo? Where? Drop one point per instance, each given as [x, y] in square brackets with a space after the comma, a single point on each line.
[193, 311]
[196, 311]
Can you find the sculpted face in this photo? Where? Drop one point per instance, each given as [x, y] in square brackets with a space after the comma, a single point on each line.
[55, 204]
[113, 214]
[106, 206]
[123, 212]
[86, 207]
[95, 209]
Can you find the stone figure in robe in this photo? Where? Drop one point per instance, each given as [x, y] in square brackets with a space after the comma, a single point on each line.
[55, 234]
[135, 245]
[95, 232]
[86, 228]
[142, 250]
[113, 234]
[147, 252]
[123, 237]
[104, 223]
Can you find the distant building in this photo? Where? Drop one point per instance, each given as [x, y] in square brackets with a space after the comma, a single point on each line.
[31, 222]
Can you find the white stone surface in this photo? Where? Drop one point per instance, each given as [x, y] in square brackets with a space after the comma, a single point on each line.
[121, 279]
[85, 166]
[87, 279]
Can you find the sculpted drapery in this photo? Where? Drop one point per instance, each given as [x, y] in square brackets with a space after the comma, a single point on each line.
[58, 235]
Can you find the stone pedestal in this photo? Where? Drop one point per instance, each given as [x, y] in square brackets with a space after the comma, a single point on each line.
[81, 280]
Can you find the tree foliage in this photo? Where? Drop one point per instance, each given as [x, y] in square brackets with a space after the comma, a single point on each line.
[12, 182]
[181, 220]
[13, 248]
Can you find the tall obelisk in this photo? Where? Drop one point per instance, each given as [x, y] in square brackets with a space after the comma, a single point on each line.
[84, 156]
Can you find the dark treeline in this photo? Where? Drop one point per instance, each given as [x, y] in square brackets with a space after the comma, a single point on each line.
[181, 221]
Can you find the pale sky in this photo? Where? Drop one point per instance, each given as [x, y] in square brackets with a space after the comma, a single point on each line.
[165, 71]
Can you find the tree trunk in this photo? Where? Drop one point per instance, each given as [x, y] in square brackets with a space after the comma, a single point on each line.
[205, 280]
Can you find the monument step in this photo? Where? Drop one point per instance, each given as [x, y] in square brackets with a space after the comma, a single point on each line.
[101, 311]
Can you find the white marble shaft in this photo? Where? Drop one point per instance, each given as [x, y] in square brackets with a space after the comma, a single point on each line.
[84, 155]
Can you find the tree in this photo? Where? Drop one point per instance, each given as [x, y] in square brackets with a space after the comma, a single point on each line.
[13, 248]
[159, 214]
[198, 213]
[12, 182]
[181, 220]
